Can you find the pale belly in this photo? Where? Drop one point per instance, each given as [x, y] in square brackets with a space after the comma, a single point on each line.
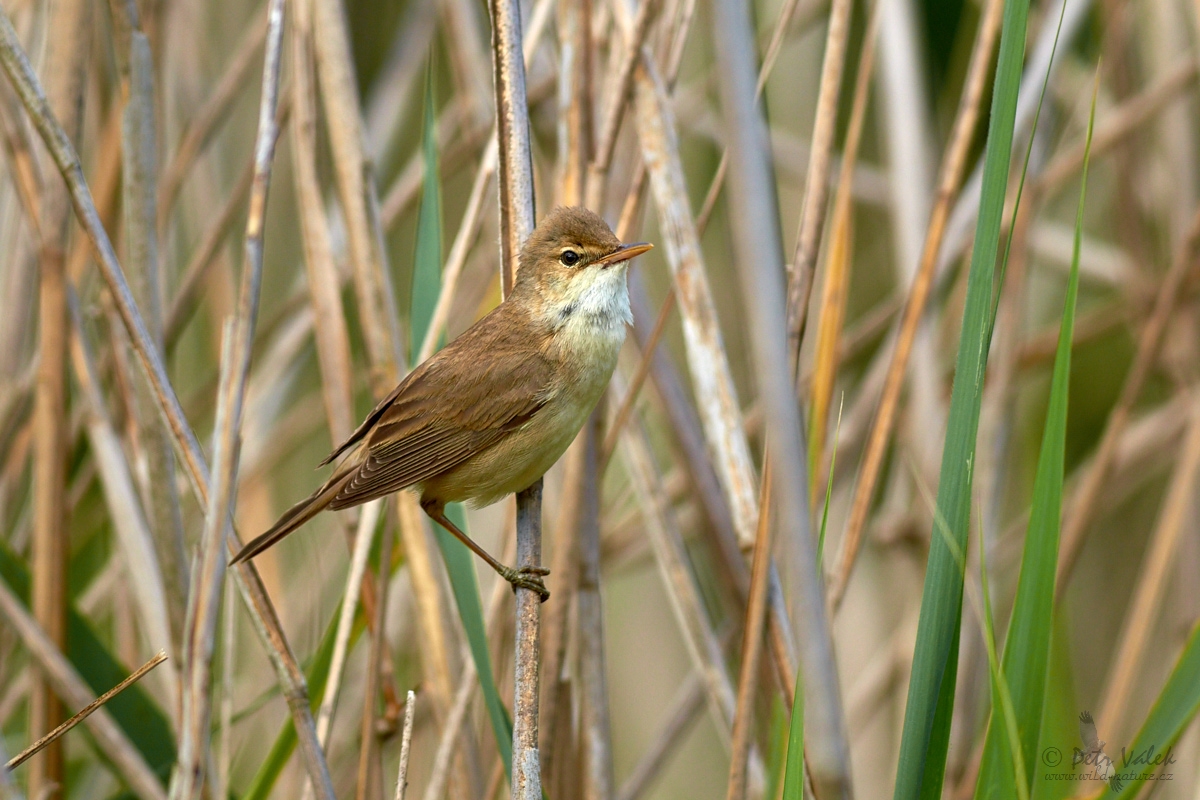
[520, 458]
[512, 464]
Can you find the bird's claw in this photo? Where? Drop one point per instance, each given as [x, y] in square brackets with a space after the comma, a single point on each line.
[528, 578]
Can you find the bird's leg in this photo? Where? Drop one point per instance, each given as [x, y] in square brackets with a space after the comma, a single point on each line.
[525, 577]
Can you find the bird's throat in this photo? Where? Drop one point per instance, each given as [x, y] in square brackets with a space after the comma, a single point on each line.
[586, 328]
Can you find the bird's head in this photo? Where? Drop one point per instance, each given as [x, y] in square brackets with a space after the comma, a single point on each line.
[573, 262]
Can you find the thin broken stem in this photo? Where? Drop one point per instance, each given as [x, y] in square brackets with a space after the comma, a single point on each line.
[68, 685]
[86, 711]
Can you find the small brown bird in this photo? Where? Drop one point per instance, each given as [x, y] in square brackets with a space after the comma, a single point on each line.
[488, 414]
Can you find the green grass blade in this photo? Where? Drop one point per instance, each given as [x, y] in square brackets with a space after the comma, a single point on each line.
[793, 776]
[1060, 715]
[134, 710]
[1027, 648]
[1002, 690]
[776, 747]
[460, 564]
[1172, 712]
[926, 731]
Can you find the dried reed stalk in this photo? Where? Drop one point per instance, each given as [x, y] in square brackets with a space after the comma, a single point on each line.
[107, 185]
[527, 768]
[377, 308]
[595, 723]
[558, 751]
[368, 521]
[704, 648]
[343, 117]
[456, 259]
[207, 254]
[66, 54]
[578, 525]
[816, 184]
[18, 280]
[707, 359]
[471, 221]
[719, 419]
[515, 165]
[468, 684]
[209, 575]
[620, 94]
[329, 320]
[838, 261]
[324, 283]
[575, 89]
[370, 765]
[85, 712]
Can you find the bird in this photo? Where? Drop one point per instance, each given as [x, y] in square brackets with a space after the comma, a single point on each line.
[488, 414]
[1093, 753]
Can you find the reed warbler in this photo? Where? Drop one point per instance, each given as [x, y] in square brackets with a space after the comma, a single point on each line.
[488, 414]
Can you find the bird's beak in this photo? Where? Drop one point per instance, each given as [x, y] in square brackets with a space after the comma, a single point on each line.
[624, 253]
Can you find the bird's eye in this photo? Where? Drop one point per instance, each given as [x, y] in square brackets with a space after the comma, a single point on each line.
[569, 258]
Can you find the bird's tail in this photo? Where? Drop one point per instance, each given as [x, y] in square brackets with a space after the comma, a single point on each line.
[296, 516]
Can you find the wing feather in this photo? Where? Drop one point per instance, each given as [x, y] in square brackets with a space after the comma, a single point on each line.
[449, 409]
[376, 478]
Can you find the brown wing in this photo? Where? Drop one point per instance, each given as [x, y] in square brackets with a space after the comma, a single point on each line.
[489, 381]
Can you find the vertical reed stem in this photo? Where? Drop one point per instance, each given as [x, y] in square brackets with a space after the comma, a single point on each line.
[515, 171]
[526, 768]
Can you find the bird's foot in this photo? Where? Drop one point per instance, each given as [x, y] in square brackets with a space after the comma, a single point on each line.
[528, 578]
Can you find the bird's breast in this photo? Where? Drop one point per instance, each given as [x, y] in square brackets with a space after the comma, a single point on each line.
[585, 348]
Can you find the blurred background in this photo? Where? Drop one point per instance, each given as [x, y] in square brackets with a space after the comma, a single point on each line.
[386, 112]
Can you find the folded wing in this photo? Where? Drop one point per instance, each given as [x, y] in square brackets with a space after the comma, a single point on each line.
[450, 409]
